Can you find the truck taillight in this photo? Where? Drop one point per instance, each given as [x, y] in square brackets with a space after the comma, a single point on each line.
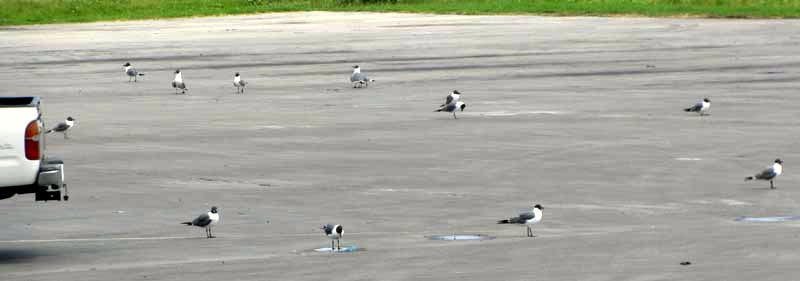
[32, 135]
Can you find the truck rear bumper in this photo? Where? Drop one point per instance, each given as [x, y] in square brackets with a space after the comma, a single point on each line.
[51, 181]
[49, 184]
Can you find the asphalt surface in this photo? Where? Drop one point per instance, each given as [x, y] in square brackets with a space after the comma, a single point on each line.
[581, 115]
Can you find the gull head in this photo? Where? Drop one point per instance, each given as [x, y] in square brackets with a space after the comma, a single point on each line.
[214, 210]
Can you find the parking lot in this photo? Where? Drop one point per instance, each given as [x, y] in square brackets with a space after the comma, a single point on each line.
[581, 115]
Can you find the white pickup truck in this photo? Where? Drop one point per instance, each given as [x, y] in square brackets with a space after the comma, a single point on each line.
[23, 165]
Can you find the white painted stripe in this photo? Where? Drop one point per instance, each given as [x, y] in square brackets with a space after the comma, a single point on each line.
[320, 234]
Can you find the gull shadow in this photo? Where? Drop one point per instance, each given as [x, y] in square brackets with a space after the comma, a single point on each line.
[763, 188]
[17, 256]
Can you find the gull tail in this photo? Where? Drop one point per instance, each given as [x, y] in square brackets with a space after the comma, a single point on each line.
[49, 131]
[140, 74]
[187, 223]
[687, 109]
[503, 221]
[749, 178]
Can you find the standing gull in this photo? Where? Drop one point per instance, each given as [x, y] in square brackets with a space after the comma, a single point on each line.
[451, 107]
[527, 218]
[63, 127]
[453, 97]
[769, 174]
[206, 221]
[359, 79]
[334, 232]
[131, 72]
[178, 83]
[239, 83]
[700, 107]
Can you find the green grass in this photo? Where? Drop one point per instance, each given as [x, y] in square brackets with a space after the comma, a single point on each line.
[20, 12]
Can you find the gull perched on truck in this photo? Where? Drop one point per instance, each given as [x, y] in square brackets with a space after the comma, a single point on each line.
[63, 127]
[25, 166]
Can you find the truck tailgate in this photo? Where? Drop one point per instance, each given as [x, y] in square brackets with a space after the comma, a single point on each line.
[15, 169]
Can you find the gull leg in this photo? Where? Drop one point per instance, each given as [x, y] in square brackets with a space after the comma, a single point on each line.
[210, 235]
[454, 115]
[771, 186]
[338, 245]
[332, 248]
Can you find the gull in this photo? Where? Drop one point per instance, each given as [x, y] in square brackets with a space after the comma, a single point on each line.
[206, 221]
[451, 107]
[239, 83]
[177, 83]
[359, 79]
[769, 174]
[453, 97]
[334, 232]
[527, 218]
[131, 72]
[700, 107]
[63, 127]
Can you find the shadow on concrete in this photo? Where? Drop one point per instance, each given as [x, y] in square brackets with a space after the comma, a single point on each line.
[16, 256]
